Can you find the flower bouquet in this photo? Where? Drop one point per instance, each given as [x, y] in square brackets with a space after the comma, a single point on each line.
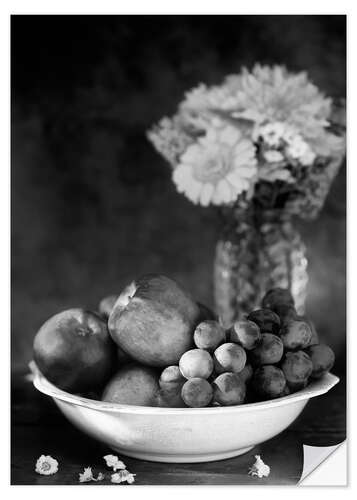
[263, 147]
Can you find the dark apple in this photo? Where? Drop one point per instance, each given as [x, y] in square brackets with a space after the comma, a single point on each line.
[73, 349]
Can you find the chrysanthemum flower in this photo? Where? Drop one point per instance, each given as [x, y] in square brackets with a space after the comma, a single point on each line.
[274, 94]
[169, 138]
[273, 156]
[208, 98]
[217, 168]
[46, 465]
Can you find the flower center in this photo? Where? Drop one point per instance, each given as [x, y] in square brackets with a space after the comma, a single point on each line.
[212, 170]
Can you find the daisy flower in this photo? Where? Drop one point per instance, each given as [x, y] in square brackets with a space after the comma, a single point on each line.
[259, 468]
[46, 465]
[217, 168]
[273, 156]
[298, 149]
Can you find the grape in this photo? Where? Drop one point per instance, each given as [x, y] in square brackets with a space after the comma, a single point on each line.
[245, 333]
[267, 320]
[229, 357]
[269, 382]
[169, 399]
[247, 373]
[229, 389]
[297, 368]
[277, 297]
[269, 351]
[314, 335]
[197, 392]
[286, 391]
[296, 334]
[170, 382]
[286, 313]
[196, 363]
[323, 359]
[171, 379]
[209, 335]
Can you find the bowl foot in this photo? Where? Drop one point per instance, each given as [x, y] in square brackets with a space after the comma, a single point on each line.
[183, 458]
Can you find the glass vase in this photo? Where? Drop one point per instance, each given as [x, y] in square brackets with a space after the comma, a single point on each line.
[256, 252]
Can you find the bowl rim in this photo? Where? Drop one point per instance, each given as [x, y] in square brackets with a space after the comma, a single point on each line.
[315, 388]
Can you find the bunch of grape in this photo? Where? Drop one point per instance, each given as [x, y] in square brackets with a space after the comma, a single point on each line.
[270, 354]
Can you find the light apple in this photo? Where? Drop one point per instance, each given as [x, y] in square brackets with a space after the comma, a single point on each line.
[153, 320]
[133, 385]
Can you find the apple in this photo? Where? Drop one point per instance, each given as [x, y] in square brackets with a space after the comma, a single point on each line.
[153, 320]
[133, 385]
[74, 351]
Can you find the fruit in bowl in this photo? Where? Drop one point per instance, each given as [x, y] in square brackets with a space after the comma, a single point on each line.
[197, 392]
[171, 382]
[296, 334]
[229, 357]
[153, 320]
[74, 351]
[266, 319]
[229, 389]
[162, 348]
[297, 368]
[245, 333]
[268, 382]
[133, 385]
[209, 335]
[196, 363]
[268, 352]
[322, 358]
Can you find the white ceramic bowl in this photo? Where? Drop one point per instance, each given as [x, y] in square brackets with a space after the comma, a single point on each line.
[182, 434]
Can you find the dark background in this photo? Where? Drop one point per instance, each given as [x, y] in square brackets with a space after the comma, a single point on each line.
[93, 205]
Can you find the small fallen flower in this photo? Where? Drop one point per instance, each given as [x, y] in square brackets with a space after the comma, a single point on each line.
[114, 462]
[259, 468]
[46, 465]
[87, 476]
[122, 476]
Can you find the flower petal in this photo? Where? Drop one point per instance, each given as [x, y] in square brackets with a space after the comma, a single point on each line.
[206, 194]
[230, 136]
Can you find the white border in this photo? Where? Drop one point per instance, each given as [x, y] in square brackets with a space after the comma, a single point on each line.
[181, 7]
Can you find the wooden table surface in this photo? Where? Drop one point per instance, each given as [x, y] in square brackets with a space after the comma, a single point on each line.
[39, 428]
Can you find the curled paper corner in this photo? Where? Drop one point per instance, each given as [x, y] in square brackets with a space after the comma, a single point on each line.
[336, 470]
